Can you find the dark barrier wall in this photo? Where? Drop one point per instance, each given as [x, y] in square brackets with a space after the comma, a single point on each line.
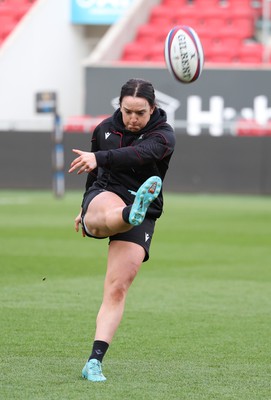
[26, 159]
[202, 164]
[221, 165]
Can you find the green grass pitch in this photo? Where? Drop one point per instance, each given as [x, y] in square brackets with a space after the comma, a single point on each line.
[197, 324]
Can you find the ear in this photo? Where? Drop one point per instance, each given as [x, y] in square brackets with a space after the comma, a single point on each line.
[152, 110]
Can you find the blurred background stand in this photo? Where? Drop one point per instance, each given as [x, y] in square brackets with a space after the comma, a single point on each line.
[46, 103]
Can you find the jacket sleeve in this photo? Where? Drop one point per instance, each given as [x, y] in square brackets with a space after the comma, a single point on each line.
[92, 176]
[155, 146]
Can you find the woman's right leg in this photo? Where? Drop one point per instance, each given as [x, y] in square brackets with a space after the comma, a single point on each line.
[104, 215]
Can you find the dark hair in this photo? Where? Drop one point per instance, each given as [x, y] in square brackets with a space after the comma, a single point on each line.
[138, 88]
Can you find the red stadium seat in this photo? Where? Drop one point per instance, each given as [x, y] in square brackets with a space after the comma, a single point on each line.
[216, 18]
[20, 9]
[207, 43]
[163, 32]
[230, 36]
[229, 42]
[151, 33]
[20, 2]
[7, 24]
[241, 4]
[206, 4]
[217, 54]
[147, 33]
[156, 53]
[232, 30]
[254, 6]
[244, 19]
[206, 36]
[186, 16]
[5, 8]
[135, 52]
[161, 15]
[175, 3]
[251, 53]
[222, 28]
[11, 11]
[251, 127]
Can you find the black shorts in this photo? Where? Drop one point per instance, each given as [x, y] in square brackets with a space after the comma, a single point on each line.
[141, 234]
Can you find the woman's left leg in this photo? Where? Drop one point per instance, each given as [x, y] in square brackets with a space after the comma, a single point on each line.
[124, 261]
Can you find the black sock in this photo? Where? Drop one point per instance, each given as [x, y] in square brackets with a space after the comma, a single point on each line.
[126, 214]
[98, 350]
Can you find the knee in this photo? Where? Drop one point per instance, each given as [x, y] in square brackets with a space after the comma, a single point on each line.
[93, 220]
[118, 293]
[119, 289]
[92, 224]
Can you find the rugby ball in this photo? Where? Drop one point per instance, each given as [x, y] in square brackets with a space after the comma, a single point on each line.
[184, 54]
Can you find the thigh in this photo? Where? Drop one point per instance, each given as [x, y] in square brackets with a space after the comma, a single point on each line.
[141, 235]
[102, 214]
[96, 199]
[104, 201]
[124, 261]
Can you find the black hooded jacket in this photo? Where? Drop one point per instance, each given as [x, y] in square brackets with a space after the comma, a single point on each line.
[126, 159]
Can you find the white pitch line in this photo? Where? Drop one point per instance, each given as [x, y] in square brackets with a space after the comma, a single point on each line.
[17, 200]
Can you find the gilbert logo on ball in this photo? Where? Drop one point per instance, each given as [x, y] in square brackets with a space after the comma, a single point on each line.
[184, 54]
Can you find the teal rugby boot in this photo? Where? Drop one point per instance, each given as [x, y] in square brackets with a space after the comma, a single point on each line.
[145, 195]
[92, 371]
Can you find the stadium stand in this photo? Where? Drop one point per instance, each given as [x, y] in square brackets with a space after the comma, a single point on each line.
[11, 12]
[228, 30]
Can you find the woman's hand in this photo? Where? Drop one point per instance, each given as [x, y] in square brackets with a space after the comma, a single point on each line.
[86, 162]
[77, 223]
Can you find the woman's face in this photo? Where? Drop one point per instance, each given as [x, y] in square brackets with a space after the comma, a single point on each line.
[136, 112]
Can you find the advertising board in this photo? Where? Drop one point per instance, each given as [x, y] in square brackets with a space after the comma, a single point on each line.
[98, 12]
[222, 101]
